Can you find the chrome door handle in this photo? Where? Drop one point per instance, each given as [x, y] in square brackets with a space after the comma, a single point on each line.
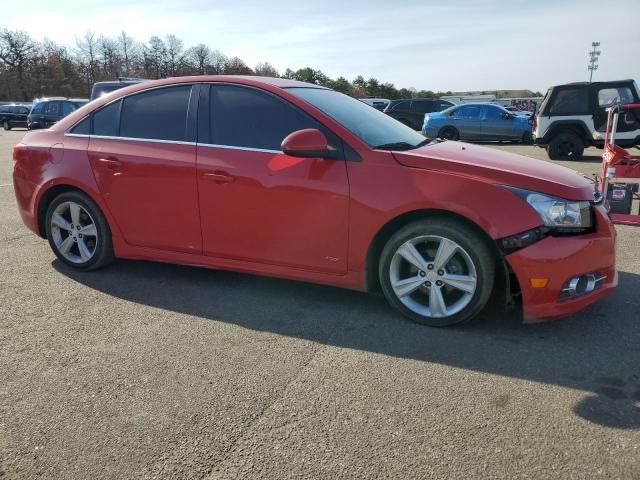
[219, 177]
[110, 162]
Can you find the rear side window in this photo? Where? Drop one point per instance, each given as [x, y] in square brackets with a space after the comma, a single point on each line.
[570, 101]
[613, 96]
[159, 114]
[82, 128]
[468, 111]
[67, 108]
[105, 120]
[52, 108]
[423, 106]
[401, 106]
[244, 117]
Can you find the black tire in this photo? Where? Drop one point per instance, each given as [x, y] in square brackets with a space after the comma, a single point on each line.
[103, 250]
[527, 138]
[448, 133]
[566, 145]
[467, 238]
[6, 125]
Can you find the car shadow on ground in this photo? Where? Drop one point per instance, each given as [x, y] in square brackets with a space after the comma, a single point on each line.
[596, 351]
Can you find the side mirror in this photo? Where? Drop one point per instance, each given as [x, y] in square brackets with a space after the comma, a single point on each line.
[307, 143]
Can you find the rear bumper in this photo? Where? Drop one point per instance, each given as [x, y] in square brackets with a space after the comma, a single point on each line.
[25, 192]
[558, 259]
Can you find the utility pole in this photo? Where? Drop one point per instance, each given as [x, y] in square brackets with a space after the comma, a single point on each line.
[593, 59]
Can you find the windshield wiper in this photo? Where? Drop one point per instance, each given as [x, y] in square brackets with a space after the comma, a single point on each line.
[402, 145]
[394, 146]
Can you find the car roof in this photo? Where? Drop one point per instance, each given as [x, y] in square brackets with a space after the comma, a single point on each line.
[595, 84]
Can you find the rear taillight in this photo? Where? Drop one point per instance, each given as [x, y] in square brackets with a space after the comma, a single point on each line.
[19, 152]
[533, 120]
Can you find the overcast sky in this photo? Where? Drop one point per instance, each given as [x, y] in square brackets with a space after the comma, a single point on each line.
[435, 45]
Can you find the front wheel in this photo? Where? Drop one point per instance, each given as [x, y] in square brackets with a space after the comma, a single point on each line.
[77, 231]
[437, 272]
[565, 146]
[6, 125]
[448, 133]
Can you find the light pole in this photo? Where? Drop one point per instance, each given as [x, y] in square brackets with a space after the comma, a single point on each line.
[593, 59]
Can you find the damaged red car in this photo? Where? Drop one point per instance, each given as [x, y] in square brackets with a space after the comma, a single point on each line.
[276, 177]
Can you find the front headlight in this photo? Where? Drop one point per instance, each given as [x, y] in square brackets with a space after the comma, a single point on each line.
[556, 212]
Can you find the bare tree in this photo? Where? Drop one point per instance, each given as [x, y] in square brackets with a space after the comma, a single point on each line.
[236, 66]
[16, 50]
[217, 62]
[265, 69]
[175, 56]
[156, 57]
[200, 55]
[87, 53]
[108, 51]
[127, 51]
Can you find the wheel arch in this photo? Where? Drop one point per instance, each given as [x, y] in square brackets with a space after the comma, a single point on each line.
[576, 126]
[504, 277]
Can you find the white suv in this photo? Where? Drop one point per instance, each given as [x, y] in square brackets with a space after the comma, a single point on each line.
[574, 116]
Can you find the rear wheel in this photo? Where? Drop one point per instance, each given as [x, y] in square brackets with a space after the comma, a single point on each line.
[6, 125]
[78, 232]
[437, 272]
[448, 133]
[527, 138]
[566, 145]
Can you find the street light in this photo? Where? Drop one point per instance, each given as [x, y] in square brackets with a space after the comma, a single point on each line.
[593, 59]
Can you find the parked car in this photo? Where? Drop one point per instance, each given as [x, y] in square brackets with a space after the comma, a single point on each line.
[411, 112]
[102, 88]
[377, 103]
[574, 116]
[47, 111]
[288, 179]
[12, 116]
[477, 121]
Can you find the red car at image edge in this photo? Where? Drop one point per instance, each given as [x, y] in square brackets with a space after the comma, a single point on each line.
[276, 177]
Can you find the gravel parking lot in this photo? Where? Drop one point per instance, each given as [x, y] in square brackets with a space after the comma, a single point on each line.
[147, 370]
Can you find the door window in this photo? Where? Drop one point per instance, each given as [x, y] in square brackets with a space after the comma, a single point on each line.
[106, 120]
[468, 111]
[67, 108]
[613, 96]
[424, 106]
[159, 114]
[493, 113]
[52, 108]
[245, 117]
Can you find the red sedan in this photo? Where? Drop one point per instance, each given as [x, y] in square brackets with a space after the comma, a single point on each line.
[276, 177]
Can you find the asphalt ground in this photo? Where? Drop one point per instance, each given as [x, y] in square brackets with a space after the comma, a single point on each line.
[148, 370]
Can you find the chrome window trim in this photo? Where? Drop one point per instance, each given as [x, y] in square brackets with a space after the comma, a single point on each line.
[176, 142]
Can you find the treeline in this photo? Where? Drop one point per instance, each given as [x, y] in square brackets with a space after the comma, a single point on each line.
[31, 68]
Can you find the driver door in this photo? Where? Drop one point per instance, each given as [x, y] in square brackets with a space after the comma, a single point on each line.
[258, 204]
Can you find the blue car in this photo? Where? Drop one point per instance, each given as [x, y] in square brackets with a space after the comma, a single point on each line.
[477, 121]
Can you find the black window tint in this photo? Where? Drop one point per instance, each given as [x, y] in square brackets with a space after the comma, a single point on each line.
[570, 101]
[52, 108]
[444, 104]
[159, 114]
[82, 128]
[421, 106]
[106, 120]
[67, 108]
[244, 117]
[402, 106]
[38, 108]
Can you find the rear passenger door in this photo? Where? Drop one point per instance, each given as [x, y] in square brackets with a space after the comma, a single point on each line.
[467, 120]
[143, 154]
[258, 204]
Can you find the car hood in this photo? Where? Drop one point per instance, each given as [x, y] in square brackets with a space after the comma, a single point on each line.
[500, 167]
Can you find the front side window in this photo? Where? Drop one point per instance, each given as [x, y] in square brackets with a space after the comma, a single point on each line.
[421, 106]
[493, 113]
[245, 117]
[570, 101]
[468, 111]
[38, 108]
[159, 114]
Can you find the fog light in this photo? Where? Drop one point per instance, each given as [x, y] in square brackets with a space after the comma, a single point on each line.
[581, 285]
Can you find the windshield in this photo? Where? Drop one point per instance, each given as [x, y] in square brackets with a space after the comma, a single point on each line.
[370, 125]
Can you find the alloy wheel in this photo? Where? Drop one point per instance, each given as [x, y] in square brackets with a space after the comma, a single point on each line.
[74, 232]
[433, 276]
